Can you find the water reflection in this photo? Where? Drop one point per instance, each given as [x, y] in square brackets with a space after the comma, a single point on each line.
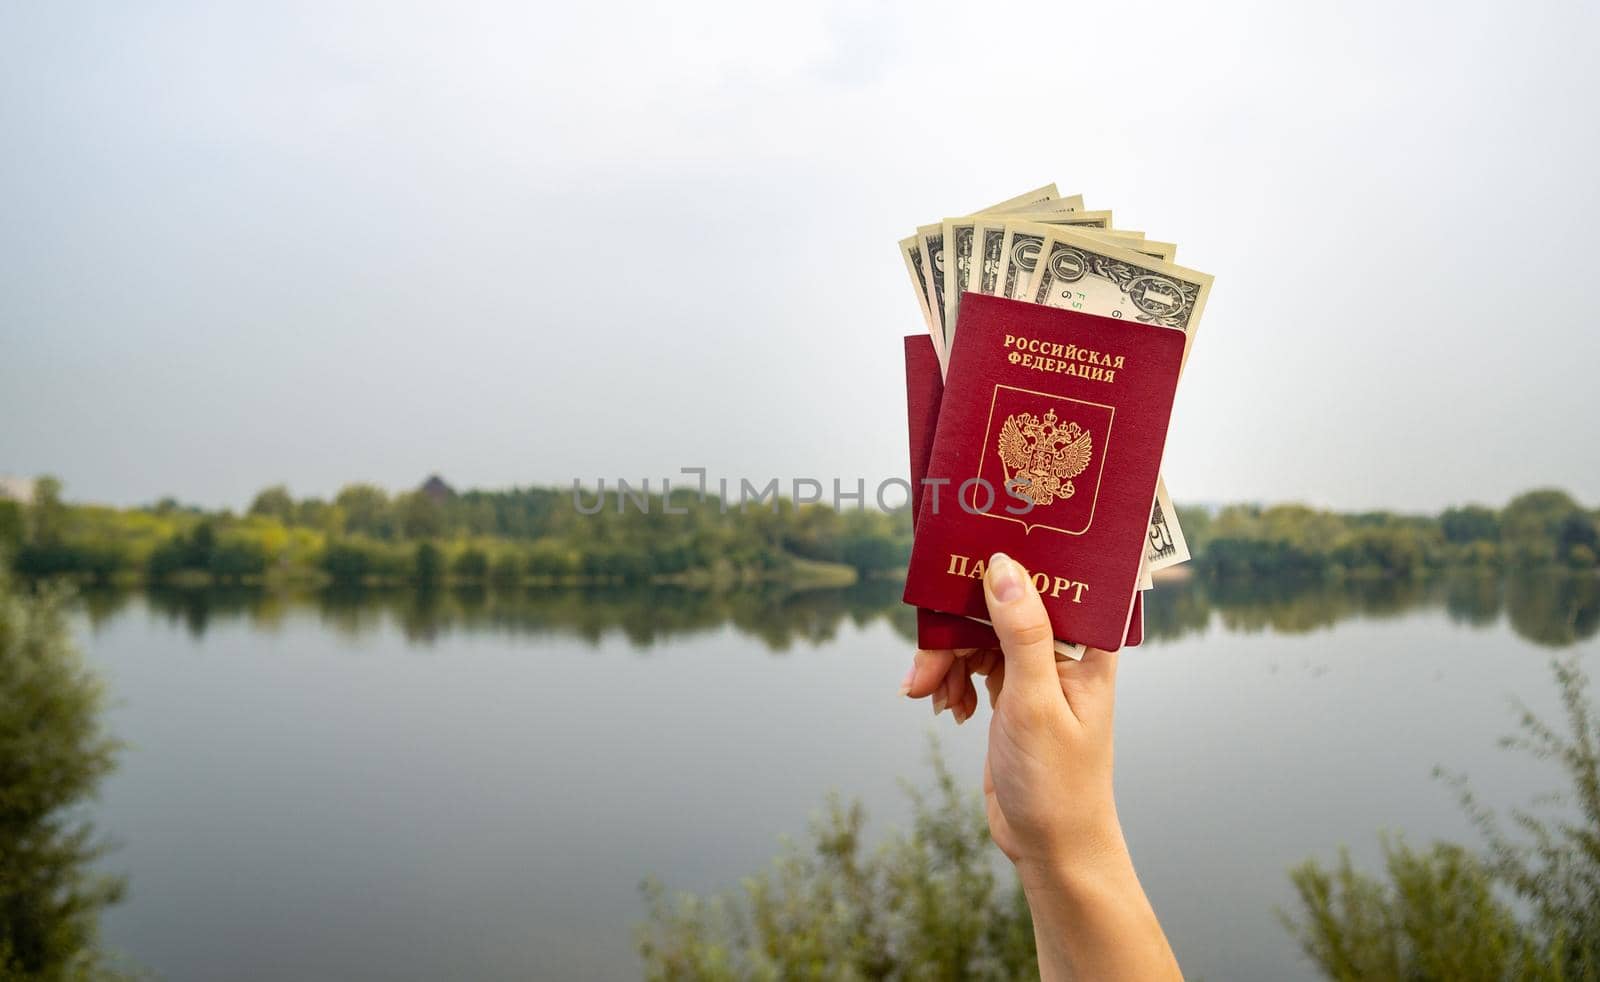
[392, 772]
[1548, 609]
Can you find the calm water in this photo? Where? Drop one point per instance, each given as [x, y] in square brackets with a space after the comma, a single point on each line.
[472, 785]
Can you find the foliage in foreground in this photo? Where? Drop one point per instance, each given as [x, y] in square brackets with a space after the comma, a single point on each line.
[923, 905]
[1526, 908]
[53, 754]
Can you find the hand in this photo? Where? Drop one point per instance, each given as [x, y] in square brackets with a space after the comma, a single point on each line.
[1047, 778]
[1047, 785]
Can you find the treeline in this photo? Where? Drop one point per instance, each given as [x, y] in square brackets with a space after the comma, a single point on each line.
[364, 535]
[1537, 530]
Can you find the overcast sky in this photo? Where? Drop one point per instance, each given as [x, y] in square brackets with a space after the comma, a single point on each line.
[325, 242]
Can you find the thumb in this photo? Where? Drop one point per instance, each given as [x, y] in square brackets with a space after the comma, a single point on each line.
[1022, 626]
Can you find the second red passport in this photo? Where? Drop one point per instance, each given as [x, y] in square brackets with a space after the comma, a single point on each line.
[1048, 444]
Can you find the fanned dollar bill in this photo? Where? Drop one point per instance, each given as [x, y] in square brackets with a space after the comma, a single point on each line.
[1167, 546]
[959, 243]
[988, 233]
[1080, 272]
[1019, 250]
[930, 240]
[1164, 251]
[925, 256]
[912, 254]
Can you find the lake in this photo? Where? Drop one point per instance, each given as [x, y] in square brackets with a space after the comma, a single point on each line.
[472, 785]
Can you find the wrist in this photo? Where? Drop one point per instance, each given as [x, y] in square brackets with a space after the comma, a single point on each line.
[1094, 863]
[1092, 920]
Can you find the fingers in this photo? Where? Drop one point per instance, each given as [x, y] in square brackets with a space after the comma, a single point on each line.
[1023, 627]
[957, 694]
[948, 693]
[928, 670]
[994, 682]
[984, 661]
[969, 696]
[946, 675]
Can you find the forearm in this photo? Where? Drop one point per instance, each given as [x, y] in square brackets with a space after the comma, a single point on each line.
[1094, 922]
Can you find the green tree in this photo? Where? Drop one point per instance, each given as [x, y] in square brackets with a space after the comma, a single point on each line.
[429, 564]
[472, 564]
[366, 510]
[1196, 523]
[235, 560]
[324, 517]
[274, 502]
[346, 563]
[1470, 523]
[506, 569]
[53, 754]
[1577, 539]
[1531, 523]
[1389, 550]
[420, 516]
[12, 527]
[47, 514]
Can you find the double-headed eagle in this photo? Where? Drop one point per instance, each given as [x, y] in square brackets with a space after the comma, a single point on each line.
[1041, 458]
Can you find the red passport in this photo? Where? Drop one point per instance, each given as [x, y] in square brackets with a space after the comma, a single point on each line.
[1048, 443]
[924, 393]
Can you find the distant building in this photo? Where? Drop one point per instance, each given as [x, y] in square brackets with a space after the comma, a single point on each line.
[435, 489]
[17, 488]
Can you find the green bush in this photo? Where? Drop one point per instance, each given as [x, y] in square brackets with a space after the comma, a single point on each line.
[97, 561]
[427, 564]
[1473, 523]
[1435, 917]
[923, 905]
[11, 527]
[355, 560]
[506, 570]
[472, 564]
[236, 560]
[223, 558]
[552, 560]
[1448, 913]
[53, 755]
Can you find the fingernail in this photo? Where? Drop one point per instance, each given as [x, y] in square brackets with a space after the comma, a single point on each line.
[940, 701]
[959, 717]
[911, 676]
[1005, 578]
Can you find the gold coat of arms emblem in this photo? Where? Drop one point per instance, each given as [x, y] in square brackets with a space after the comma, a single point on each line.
[1041, 456]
